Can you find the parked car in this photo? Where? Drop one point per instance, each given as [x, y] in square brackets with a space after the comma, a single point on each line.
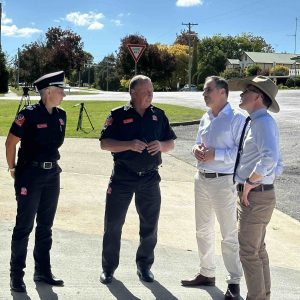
[186, 88]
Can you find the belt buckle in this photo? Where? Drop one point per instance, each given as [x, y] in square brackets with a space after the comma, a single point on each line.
[47, 165]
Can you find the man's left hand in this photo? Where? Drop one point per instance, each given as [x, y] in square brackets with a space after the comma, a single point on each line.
[154, 147]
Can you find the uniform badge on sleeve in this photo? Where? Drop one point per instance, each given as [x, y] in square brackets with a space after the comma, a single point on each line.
[61, 122]
[20, 119]
[108, 122]
[154, 118]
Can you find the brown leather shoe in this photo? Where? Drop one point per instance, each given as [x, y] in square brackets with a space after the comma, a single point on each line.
[199, 279]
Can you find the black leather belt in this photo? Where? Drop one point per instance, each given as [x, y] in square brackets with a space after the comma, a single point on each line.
[259, 188]
[213, 175]
[46, 165]
[144, 173]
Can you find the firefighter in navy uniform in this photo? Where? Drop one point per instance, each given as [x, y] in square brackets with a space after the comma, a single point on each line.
[40, 129]
[136, 134]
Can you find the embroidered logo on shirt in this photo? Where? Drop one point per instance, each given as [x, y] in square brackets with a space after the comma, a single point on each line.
[20, 119]
[154, 118]
[23, 191]
[61, 122]
[127, 121]
[43, 125]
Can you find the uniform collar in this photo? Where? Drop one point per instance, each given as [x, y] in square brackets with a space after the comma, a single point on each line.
[129, 105]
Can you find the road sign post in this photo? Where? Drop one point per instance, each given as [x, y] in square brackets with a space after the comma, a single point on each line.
[136, 52]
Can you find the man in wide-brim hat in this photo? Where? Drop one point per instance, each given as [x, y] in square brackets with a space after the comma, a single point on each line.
[258, 162]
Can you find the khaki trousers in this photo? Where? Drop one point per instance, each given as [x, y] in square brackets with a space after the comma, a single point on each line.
[253, 221]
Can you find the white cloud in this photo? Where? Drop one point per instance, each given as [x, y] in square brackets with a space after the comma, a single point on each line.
[13, 30]
[117, 22]
[188, 3]
[89, 20]
[5, 20]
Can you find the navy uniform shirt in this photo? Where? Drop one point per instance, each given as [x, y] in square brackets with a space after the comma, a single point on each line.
[41, 133]
[125, 124]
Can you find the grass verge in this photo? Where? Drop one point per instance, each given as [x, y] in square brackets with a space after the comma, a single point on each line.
[97, 111]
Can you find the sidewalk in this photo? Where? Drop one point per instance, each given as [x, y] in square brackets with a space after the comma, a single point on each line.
[78, 228]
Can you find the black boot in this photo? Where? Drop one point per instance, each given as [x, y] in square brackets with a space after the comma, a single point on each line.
[17, 284]
[47, 277]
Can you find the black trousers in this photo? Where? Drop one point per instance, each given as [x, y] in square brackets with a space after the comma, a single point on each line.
[37, 192]
[122, 186]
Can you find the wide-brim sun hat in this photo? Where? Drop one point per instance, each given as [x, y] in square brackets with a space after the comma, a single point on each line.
[263, 83]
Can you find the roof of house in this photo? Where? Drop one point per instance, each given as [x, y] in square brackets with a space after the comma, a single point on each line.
[233, 61]
[270, 58]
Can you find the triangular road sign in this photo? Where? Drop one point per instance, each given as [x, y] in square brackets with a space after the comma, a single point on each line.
[136, 51]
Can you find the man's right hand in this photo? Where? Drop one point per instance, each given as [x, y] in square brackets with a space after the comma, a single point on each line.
[137, 146]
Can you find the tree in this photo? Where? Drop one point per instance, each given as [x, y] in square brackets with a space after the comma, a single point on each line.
[65, 50]
[60, 50]
[125, 62]
[3, 74]
[180, 54]
[155, 62]
[214, 51]
[184, 36]
[107, 77]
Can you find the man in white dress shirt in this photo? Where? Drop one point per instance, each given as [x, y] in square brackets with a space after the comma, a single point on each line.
[215, 150]
[260, 161]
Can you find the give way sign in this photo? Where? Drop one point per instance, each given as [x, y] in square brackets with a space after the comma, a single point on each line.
[136, 50]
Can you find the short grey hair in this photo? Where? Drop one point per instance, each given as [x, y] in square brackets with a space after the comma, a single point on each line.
[42, 92]
[136, 80]
[220, 82]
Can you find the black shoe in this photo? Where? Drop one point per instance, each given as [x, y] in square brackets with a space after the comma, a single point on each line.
[47, 277]
[106, 277]
[145, 275]
[199, 280]
[17, 285]
[233, 292]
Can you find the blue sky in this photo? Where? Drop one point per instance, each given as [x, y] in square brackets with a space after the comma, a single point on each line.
[103, 23]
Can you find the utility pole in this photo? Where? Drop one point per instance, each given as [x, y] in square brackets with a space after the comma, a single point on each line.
[18, 69]
[190, 52]
[0, 24]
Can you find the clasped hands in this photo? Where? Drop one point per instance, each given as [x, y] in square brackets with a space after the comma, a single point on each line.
[139, 146]
[203, 153]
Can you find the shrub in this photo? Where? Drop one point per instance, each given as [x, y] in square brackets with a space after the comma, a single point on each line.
[253, 70]
[279, 70]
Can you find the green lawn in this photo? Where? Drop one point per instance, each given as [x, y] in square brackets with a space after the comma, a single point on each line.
[97, 112]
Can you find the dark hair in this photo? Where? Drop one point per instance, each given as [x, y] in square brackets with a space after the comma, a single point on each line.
[220, 82]
[266, 100]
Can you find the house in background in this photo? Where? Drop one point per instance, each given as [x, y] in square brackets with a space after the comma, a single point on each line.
[268, 60]
[232, 63]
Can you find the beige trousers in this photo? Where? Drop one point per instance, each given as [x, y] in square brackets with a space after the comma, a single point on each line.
[253, 221]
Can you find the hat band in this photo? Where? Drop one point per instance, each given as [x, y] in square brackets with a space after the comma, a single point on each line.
[57, 83]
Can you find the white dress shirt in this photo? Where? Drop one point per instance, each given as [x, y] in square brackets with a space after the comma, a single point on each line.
[260, 152]
[223, 134]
